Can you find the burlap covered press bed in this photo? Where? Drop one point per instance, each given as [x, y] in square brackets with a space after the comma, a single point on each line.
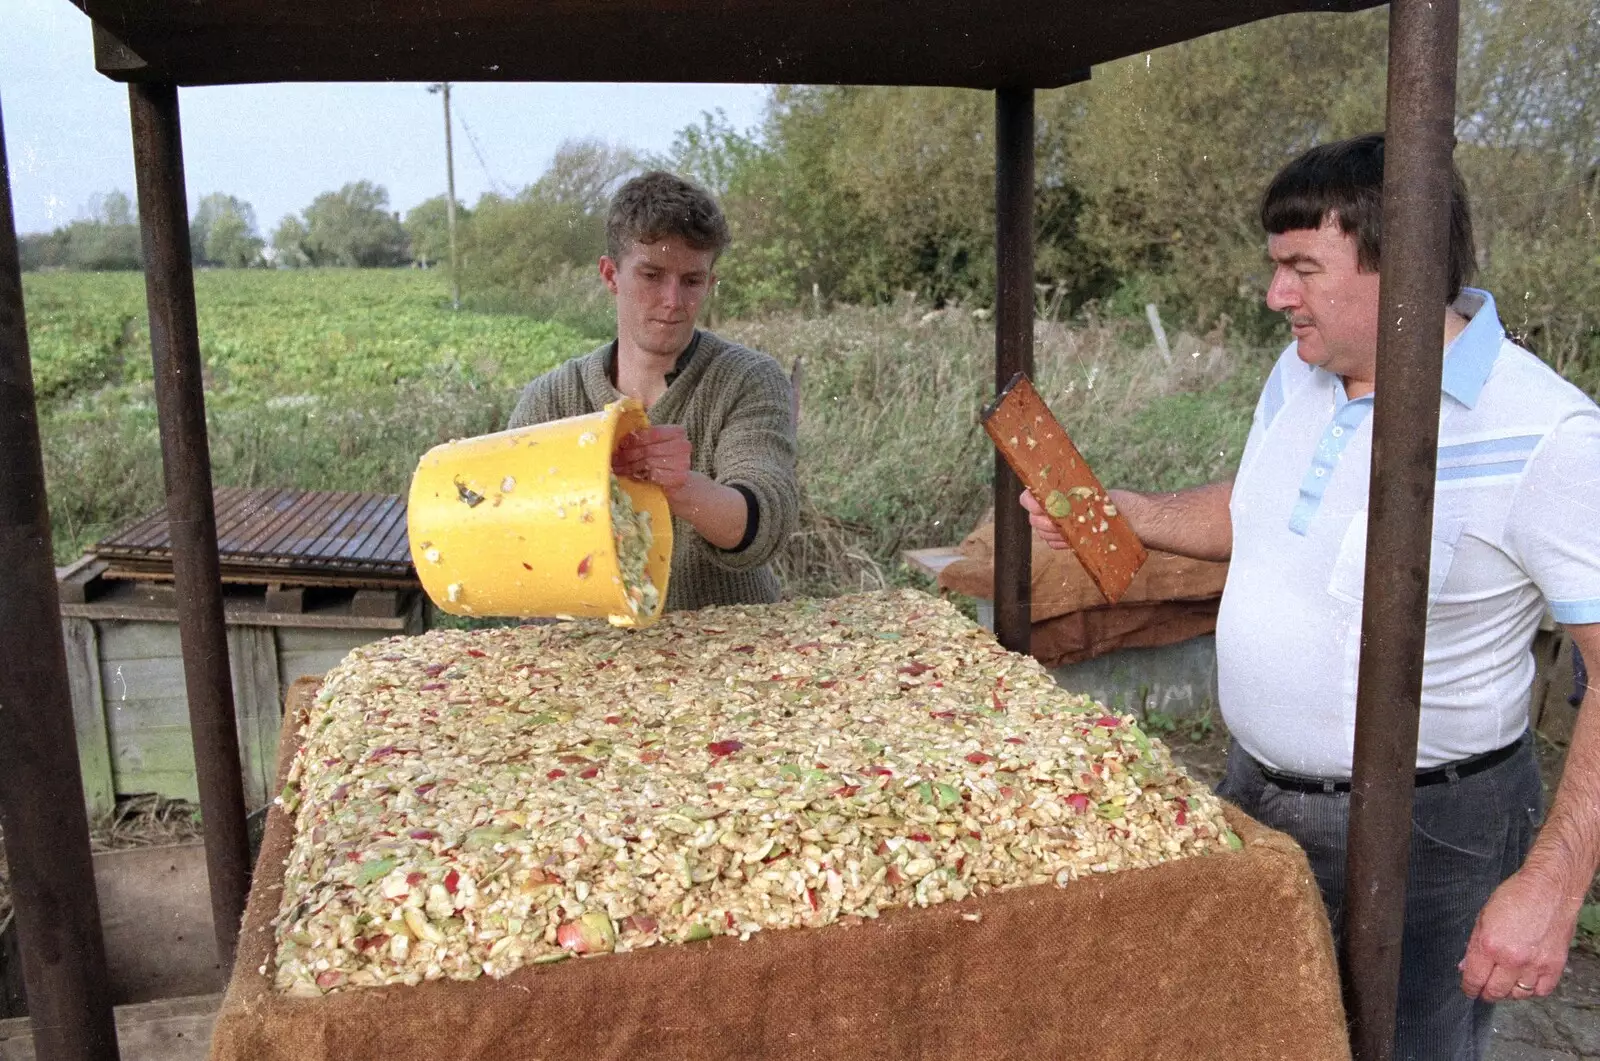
[1219, 956]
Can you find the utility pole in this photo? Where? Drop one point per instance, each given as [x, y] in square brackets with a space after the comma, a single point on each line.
[450, 197]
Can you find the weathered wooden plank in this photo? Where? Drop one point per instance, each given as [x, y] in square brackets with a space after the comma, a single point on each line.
[236, 616]
[141, 640]
[124, 717]
[169, 784]
[258, 707]
[177, 1029]
[143, 679]
[151, 751]
[294, 665]
[294, 640]
[89, 716]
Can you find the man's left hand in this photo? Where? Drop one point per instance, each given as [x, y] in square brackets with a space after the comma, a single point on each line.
[657, 455]
[1519, 946]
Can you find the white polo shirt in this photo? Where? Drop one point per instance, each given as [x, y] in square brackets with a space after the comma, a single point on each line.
[1516, 525]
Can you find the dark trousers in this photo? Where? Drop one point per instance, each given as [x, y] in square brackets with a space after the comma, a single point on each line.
[1468, 835]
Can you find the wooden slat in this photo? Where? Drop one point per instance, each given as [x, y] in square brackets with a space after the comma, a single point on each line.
[305, 640]
[169, 784]
[141, 681]
[158, 573]
[89, 716]
[236, 616]
[129, 641]
[1039, 450]
[167, 750]
[257, 699]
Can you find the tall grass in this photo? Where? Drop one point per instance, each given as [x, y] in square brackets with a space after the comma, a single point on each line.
[892, 453]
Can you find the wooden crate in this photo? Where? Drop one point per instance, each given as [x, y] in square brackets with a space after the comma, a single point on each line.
[125, 665]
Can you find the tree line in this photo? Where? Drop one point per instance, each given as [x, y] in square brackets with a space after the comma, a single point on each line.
[350, 227]
[1147, 180]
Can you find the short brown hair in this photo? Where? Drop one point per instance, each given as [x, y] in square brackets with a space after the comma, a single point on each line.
[657, 204]
[1344, 180]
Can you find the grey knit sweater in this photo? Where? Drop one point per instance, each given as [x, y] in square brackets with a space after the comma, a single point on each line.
[734, 404]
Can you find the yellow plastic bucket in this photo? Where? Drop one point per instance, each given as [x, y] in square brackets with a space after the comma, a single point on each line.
[519, 523]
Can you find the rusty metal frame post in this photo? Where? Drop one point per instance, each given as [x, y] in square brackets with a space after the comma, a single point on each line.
[1416, 224]
[1013, 352]
[41, 786]
[186, 464]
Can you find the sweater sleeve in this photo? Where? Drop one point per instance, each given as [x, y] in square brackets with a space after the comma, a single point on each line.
[755, 449]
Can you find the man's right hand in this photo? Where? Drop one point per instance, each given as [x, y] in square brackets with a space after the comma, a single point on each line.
[1042, 524]
[1193, 522]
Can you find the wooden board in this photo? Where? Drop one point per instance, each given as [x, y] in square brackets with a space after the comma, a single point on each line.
[257, 702]
[89, 716]
[1039, 450]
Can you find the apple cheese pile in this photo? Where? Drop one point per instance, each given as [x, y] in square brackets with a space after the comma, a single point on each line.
[468, 802]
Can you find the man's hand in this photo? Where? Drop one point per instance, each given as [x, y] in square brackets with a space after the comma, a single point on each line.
[1041, 522]
[657, 455]
[1046, 527]
[1193, 522]
[1519, 945]
[661, 455]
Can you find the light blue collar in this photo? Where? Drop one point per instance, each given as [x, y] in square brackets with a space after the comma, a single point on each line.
[1470, 358]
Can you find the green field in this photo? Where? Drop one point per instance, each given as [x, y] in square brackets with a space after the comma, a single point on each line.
[329, 379]
[265, 332]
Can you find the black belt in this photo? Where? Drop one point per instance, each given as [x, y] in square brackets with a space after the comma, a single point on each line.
[1475, 764]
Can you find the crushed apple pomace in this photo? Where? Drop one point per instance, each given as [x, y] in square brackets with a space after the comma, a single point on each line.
[634, 534]
[468, 802]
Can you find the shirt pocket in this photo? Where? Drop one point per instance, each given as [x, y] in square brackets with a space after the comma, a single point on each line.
[1347, 583]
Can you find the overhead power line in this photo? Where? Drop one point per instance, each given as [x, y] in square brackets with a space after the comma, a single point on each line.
[478, 151]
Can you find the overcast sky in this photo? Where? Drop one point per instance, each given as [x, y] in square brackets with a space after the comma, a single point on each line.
[278, 146]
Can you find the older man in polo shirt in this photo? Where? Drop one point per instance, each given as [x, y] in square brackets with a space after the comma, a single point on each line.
[1516, 528]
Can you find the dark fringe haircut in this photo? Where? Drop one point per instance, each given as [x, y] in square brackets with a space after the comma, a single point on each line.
[1344, 180]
